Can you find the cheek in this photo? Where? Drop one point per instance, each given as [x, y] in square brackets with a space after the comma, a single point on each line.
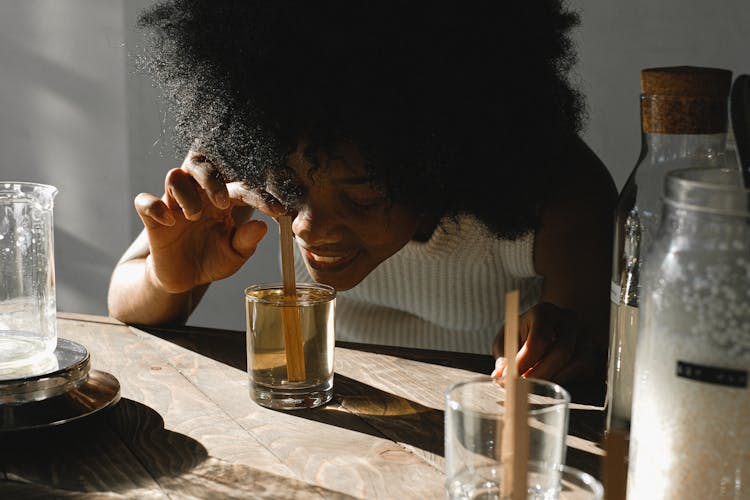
[388, 231]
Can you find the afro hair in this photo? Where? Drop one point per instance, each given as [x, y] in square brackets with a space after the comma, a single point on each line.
[457, 107]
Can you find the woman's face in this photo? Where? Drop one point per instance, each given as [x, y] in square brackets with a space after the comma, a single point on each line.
[344, 226]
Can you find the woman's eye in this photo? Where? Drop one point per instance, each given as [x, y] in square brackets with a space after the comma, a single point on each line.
[363, 203]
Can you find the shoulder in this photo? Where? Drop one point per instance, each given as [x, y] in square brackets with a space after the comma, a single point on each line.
[586, 173]
[586, 183]
[578, 217]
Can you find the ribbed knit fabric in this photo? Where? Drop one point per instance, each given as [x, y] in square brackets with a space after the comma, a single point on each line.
[447, 293]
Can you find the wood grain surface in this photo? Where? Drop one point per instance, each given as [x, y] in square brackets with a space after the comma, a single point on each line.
[186, 427]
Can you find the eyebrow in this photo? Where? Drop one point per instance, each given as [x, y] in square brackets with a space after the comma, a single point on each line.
[354, 180]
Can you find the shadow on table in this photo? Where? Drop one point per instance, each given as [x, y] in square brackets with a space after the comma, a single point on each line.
[228, 347]
[363, 408]
[126, 451]
[356, 406]
[117, 450]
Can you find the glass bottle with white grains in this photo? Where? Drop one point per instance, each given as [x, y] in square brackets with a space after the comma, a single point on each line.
[683, 124]
[690, 436]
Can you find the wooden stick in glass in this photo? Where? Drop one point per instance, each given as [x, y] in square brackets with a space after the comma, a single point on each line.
[290, 320]
[515, 437]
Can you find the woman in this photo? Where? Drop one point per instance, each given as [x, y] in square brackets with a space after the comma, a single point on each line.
[428, 154]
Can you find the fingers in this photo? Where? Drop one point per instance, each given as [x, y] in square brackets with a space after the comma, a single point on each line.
[500, 364]
[540, 328]
[188, 187]
[555, 346]
[183, 192]
[242, 214]
[153, 211]
[258, 198]
[247, 236]
[556, 359]
[550, 338]
[208, 177]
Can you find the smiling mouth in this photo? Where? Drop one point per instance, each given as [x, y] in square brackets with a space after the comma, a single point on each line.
[329, 263]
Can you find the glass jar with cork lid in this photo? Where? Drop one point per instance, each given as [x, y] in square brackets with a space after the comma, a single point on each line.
[683, 124]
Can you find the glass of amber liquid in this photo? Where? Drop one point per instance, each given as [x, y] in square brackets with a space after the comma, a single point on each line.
[290, 345]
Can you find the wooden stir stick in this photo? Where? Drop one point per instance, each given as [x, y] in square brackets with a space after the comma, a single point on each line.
[290, 320]
[615, 469]
[515, 437]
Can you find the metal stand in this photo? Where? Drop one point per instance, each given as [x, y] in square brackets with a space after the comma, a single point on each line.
[68, 391]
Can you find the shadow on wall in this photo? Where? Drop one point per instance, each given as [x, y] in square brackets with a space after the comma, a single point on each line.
[55, 76]
[82, 274]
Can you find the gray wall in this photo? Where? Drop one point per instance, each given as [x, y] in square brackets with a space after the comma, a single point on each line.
[151, 155]
[619, 38]
[73, 114]
[63, 122]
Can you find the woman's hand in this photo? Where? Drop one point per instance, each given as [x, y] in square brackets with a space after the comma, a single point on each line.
[201, 229]
[565, 336]
[198, 232]
[554, 346]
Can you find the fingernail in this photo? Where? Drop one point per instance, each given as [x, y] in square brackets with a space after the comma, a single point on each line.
[193, 216]
[499, 367]
[221, 200]
[169, 219]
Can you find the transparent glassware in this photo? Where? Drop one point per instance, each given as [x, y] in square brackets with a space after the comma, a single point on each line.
[28, 323]
[545, 482]
[690, 436]
[474, 419]
[683, 124]
[270, 359]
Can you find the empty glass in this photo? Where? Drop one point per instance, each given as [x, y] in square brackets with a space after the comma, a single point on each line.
[28, 325]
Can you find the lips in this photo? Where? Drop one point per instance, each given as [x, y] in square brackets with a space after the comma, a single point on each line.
[329, 263]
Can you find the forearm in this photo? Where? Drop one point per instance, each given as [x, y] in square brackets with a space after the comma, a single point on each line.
[577, 279]
[135, 297]
[575, 244]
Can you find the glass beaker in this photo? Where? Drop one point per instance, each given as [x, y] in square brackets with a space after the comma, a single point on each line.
[28, 323]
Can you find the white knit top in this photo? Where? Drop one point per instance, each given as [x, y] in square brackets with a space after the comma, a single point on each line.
[447, 293]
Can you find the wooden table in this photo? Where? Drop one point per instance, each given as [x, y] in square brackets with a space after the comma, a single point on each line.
[186, 427]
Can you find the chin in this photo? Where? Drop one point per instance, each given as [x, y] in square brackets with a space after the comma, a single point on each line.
[338, 283]
[340, 280]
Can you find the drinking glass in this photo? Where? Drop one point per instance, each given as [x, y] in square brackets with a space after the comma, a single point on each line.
[474, 417]
[290, 345]
[544, 482]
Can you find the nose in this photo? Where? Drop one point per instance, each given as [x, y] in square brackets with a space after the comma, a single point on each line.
[317, 225]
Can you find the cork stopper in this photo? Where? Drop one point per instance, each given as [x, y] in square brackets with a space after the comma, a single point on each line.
[686, 81]
[684, 100]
